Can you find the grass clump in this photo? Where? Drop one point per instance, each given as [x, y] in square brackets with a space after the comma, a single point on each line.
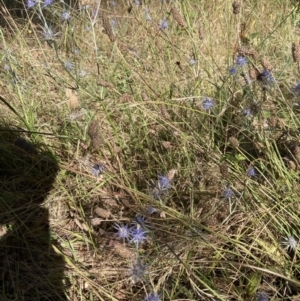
[150, 151]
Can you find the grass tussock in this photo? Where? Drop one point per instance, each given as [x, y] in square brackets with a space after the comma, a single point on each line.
[150, 151]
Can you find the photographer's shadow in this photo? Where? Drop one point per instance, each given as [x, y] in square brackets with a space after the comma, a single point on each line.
[30, 269]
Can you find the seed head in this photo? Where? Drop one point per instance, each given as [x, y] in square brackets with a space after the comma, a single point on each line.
[177, 17]
[266, 64]
[296, 52]
[236, 6]
[296, 153]
[234, 142]
[201, 33]
[108, 28]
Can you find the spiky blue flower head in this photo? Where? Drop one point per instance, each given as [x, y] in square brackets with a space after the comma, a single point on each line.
[266, 76]
[252, 172]
[164, 24]
[140, 219]
[113, 3]
[138, 271]
[123, 231]
[163, 183]
[137, 2]
[138, 235]
[48, 2]
[297, 89]
[232, 70]
[97, 169]
[240, 61]
[152, 297]
[30, 3]
[261, 296]
[208, 103]
[228, 193]
[290, 243]
[66, 15]
[69, 65]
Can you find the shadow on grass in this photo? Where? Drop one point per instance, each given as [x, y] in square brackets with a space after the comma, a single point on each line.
[29, 267]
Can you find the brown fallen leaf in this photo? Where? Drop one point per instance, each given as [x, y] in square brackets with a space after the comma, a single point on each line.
[72, 99]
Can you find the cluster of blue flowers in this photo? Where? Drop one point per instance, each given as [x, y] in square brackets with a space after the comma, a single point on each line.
[136, 234]
[32, 3]
[240, 62]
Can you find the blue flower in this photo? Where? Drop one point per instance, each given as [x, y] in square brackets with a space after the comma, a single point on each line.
[208, 103]
[138, 271]
[297, 89]
[228, 193]
[232, 70]
[97, 169]
[138, 235]
[113, 3]
[252, 172]
[261, 296]
[163, 183]
[163, 24]
[266, 76]
[137, 2]
[140, 219]
[30, 3]
[123, 231]
[152, 297]
[48, 2]
[241, 61]
[66, 16]
[69, 65]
